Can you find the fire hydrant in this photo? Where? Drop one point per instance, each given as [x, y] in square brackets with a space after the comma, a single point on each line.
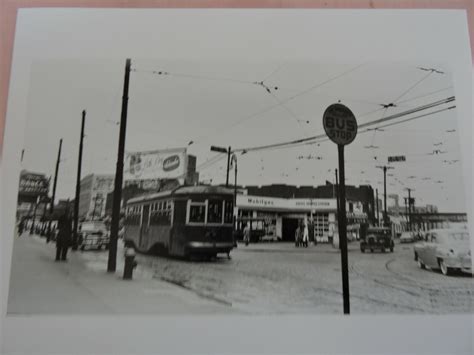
[130, 263]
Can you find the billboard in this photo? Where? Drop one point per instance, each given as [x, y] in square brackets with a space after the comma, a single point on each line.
[157, 164]
[32, 184]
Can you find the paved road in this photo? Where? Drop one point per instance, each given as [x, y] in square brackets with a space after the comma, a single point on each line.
[279, 278]
[273, 278]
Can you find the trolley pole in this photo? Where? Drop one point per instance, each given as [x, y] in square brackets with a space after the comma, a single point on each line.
[51, 205]
[78, 184]
[117, 197]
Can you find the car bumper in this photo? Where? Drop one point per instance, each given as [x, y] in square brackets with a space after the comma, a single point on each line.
[210, 246]
[463, 263]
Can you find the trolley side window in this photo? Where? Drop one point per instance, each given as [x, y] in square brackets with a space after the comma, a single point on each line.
[214, 211]
[228, 211]
[197, 212]
[161, 213]
[133, 216]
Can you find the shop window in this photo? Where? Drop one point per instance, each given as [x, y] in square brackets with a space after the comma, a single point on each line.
[214, 211]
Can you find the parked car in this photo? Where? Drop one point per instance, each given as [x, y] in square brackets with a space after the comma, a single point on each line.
[446, 250]
[93, 234]
[377, 238]
[407, 237]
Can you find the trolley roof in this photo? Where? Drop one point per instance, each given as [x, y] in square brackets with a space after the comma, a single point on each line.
[183, 190]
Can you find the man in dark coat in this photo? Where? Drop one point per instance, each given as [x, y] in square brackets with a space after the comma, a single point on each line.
[63, 240]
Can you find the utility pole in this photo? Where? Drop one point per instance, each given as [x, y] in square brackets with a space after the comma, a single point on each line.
[78, 184]
[377, 197]
[337, 194]
[385, 216]
[117, 198]
[234, 161]
[51, 205]
[409, 208]
[228, 167]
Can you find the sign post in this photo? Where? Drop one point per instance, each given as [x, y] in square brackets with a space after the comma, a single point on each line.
[340, 126]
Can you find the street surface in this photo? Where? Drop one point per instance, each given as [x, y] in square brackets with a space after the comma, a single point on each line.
[264, 278]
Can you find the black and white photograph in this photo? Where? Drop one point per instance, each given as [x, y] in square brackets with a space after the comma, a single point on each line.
[175, 185]
[203, 137]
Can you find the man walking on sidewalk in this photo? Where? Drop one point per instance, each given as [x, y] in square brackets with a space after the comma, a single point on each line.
[63, 240]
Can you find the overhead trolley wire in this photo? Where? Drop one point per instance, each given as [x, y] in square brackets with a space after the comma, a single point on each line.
[367, 124]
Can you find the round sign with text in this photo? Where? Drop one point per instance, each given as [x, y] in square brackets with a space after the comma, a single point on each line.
[340, 124]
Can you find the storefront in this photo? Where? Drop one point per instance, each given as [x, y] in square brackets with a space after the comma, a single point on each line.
[279, 217]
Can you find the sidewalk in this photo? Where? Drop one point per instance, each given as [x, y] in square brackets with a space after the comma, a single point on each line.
[39, 285]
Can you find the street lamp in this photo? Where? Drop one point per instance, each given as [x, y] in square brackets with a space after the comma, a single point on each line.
[225, 151]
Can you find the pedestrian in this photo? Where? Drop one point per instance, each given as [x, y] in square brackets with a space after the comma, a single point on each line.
[298, 235]
[305, 234]
[63, 240]
[246, 234]
[21, 227]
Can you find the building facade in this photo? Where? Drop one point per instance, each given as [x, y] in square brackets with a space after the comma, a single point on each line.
[92, 199]
[276, 210]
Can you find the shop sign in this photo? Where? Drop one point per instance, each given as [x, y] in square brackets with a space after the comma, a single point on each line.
[33, 184]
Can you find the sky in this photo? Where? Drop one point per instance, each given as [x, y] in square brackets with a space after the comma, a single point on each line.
[217, 102]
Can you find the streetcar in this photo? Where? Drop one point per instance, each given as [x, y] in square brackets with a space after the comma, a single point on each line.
[185, 221]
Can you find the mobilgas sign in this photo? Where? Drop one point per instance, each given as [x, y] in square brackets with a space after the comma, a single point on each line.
[340, 124]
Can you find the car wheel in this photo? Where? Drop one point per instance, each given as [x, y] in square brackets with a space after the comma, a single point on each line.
[420, 264]
[391, 249]
[99, 247]
[362, 250]
[371, 250]
[83, 247]
[444, 269]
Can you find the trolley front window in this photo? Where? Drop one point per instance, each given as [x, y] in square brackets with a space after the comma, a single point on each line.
[197, 212]
[214, 212]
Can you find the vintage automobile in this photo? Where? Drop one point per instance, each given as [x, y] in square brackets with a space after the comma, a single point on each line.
[377, 238]
[446, 250]
[407, 237]
[93, 234]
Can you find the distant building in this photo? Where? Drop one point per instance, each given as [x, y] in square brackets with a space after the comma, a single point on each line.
[32, 194]
[94, 190]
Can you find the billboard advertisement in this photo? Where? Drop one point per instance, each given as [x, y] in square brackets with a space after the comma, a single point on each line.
[157, 164]
[32, 184]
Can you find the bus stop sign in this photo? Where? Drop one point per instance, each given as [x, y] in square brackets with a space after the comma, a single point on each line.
[340, 124]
